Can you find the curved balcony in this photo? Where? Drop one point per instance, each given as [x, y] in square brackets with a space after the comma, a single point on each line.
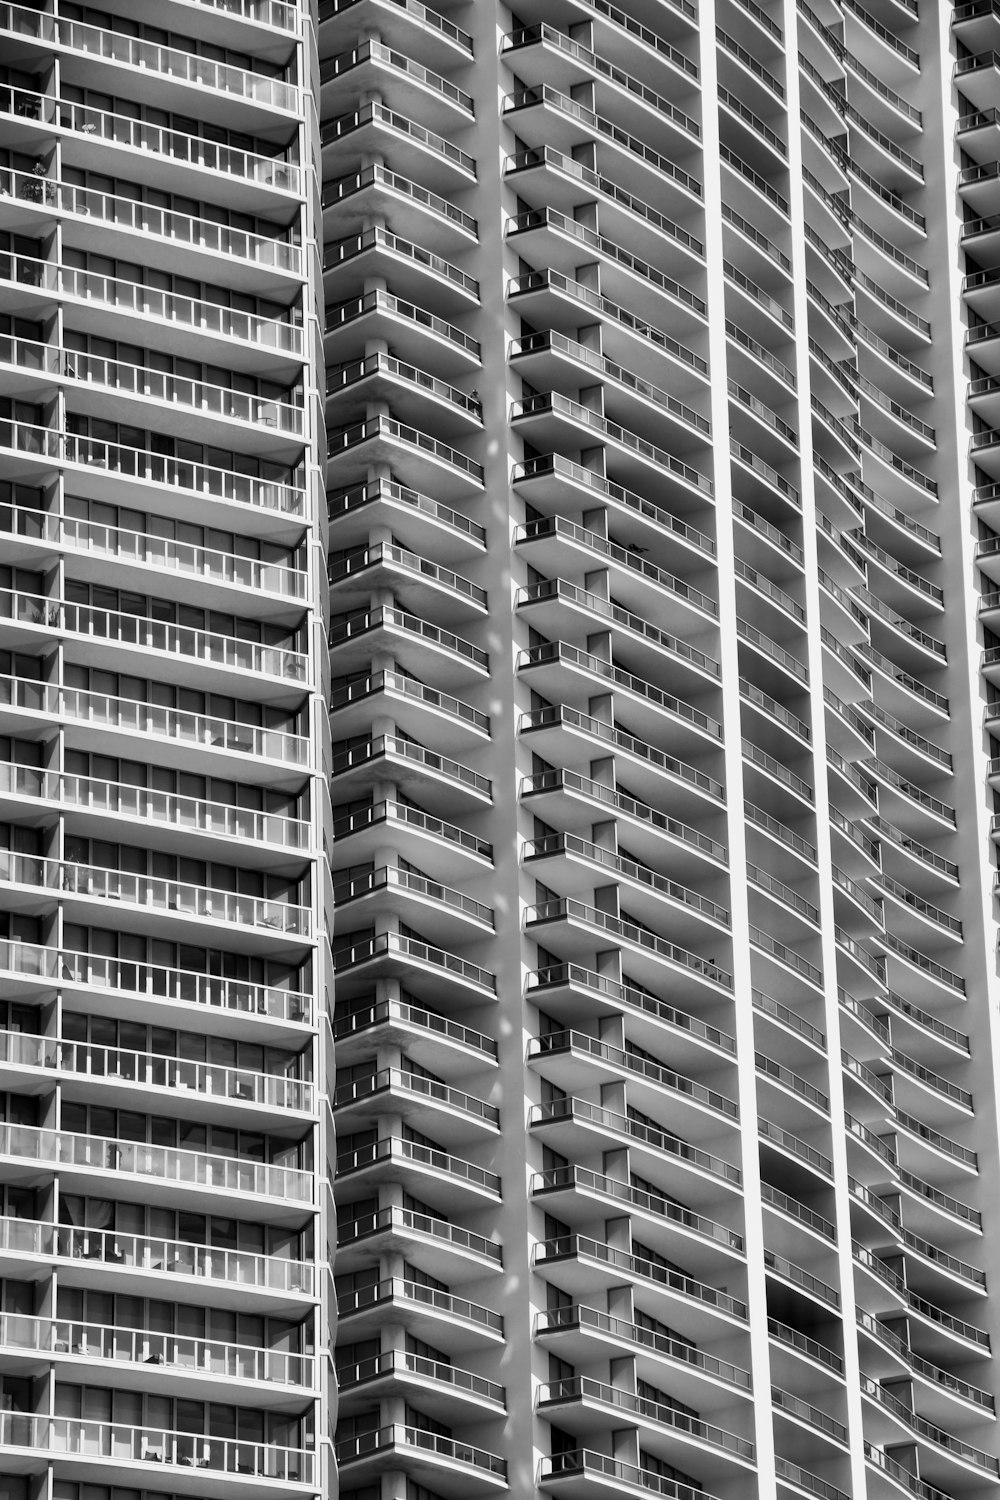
[556, 238]
[557, 729]
[422, 1307]
[456, 1185]
[441, 782]
[430, 839]
[414, 642]
[456, 1392]
[427, 1037]
[373, 67]
[557, 299]
[416, 395]
[450, 1112]
[452, 980]
[584, 1331]
[580, 924]
[375, 129]
[646, 890]
[424, 522]
[434, 1244]
[417, 28]
[419, 274]
[580, 1193]
[548, 665]
[381, 439]
[375, 192]
[576, 1126]
[582, 1265]
[462, 1467]
[577, 1402]
[416, 332]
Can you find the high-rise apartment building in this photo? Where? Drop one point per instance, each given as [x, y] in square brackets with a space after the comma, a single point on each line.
[499, 710]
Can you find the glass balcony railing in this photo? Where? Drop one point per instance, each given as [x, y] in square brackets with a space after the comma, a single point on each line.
[98, 1341]
[152, 893]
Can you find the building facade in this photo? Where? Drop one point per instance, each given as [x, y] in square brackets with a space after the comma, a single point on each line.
[499, 669]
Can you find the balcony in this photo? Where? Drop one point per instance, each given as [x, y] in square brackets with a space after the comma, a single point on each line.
[585, 1333]
[575, 993]
[373, 128]
[198, 1362]
[569, 923]
[434, 464]
[435, 1245]
[135, 304]
[424, 522]
[38, 450]
[437, 1314]
[281, 1190]
[580, 1194]
[583, 1264]
[429, 839]
[98, 1448]
[443, 912]
[254, 1008]
[440, 782]
[416, 28]
[455, 1185]
[578, 1402]
[587, 1475]
[192, 242]
[190, 903]
[450, 1113]
[101, 1070]
[122, 639]
[426, 1037]
[453, 1467]
[448, 1389]
[373, 68]
[450, 979]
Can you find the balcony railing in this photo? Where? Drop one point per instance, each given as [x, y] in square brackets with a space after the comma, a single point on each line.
[582, 1179]
[146, 891]
[150, 719]
[110, 1440]
[619, 1261]
[569, 908]
[178, 1257]
[194, 814]
[151, 634]
[60, 1148]
[584, 1388]
[137, 217]
[187, 67]
[620, 1331]
[149, 302]
[271, 1090]
[205, 480]
[98, 1341]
